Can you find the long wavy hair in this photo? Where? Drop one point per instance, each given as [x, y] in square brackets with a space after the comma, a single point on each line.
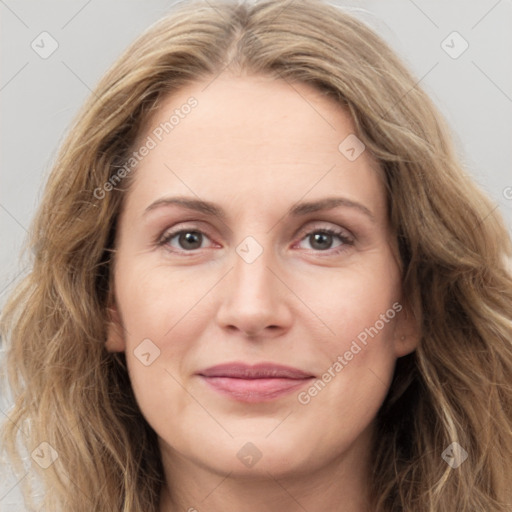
[71, 393]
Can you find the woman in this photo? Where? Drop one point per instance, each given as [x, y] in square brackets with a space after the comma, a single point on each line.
[262, 281]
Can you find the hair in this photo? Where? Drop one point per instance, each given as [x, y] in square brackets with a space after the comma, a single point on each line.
[454, 252]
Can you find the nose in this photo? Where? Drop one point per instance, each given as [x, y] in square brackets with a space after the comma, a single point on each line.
[255, 302]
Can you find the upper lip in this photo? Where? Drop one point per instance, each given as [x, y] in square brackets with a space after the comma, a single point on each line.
[237, 370]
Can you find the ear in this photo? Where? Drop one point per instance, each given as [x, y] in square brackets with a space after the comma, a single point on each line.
[407, 334]
[115, 333]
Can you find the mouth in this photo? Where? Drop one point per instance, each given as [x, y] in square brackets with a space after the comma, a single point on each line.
[263, 382]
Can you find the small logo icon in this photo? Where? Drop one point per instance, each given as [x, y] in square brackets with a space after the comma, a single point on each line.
[44, 45]
[146, 352]
[454, 455]
[249, 455]
[454, 45]
[249, 249]
[351, 147]
[44, 455]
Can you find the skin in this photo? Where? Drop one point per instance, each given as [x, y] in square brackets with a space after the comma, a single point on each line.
[255, 146]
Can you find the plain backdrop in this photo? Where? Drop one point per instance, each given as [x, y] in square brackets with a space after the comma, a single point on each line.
[40, 94]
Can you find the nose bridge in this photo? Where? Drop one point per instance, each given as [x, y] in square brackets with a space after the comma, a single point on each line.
[251, 277]
[253, 299]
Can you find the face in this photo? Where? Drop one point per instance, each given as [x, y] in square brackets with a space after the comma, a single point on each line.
[249, 239]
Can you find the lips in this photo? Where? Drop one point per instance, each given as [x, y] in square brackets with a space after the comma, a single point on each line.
[258, 383]
[258, 371]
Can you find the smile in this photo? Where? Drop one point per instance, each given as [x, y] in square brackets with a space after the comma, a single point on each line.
[260, 383]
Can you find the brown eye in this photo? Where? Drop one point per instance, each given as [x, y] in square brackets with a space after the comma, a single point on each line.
[190, 239]
[321, 240]
[324, 240]
[184, 240]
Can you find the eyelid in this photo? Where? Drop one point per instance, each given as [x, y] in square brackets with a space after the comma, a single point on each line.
[169, 234]
[319, 225]
[192, 225]
[299, 236]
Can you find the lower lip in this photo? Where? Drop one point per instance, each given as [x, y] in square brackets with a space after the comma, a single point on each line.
[255, 390]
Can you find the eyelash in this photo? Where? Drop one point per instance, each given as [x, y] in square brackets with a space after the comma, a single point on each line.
[347, 241]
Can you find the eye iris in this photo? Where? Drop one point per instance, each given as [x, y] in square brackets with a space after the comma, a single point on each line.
[193, 240]
[321, 238]
[190, 240]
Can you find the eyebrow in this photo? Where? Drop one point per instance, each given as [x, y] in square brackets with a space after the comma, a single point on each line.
[299, 209]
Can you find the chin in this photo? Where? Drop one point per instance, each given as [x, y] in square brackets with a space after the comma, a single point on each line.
[260, 456]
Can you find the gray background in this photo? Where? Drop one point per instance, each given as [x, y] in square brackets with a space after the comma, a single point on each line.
[39, 97]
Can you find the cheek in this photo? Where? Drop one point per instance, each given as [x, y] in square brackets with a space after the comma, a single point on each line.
[358, 358]
[155, 300]
[350, 389]
[163, 313]
[361, 305]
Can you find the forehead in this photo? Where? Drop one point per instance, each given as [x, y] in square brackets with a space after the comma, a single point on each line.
[255, 139]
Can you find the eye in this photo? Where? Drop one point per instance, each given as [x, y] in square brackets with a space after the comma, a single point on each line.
[320, 240]
[323, 239]
[183, 240]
